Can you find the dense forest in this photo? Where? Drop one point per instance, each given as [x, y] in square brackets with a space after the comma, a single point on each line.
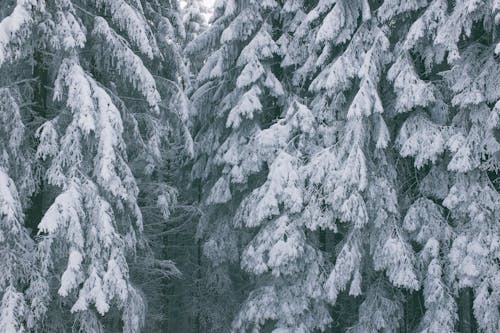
[261, 166]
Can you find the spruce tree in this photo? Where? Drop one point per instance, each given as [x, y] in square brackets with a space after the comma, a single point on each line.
[21, 300]
[194, 18]
[105, 131]
[448, 94]
[251, 138]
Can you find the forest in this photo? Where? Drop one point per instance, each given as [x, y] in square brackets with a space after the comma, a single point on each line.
[250, 166]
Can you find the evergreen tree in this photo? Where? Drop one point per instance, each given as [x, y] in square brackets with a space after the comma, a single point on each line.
[352, 181]
[21, 299]
[451, 124]
[345, 170]
[109, 127]
[249, 156]
[194, 17]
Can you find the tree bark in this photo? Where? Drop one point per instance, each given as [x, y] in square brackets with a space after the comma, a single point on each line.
[465, 315]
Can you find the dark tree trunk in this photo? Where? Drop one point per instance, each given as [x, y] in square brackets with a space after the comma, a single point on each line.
[40, 95]
[465, 314]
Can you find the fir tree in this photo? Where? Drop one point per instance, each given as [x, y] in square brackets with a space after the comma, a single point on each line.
[194, 18]
[109, 120]
[451, 125]
[251, 162]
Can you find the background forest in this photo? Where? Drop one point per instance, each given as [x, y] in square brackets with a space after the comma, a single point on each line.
[287, 166]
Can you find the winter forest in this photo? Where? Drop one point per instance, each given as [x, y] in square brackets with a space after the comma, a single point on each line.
[260, 166]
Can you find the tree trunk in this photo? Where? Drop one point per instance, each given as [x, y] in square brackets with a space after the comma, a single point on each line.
[36, 210]
[465, 315]
[322, 239]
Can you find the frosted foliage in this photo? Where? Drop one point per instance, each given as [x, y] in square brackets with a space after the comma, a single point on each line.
[127, 63]
[441, 310]
[340, 23]
[313, 200]
[220, 193]
[382, 201]
[474, 252]
[278, 247]
[274, 85]
[195, 18]
[424, 27]
[15, 160]
[79, 95]
[397, 259]
[354, 172]
[87, 322]
[354, 210]
[298, 121]
[131, 21]
[91, 105]
[49, 141]
[365, 102]
[281, 188]
[240, 157]
[338, 75]
[12, 310]
[248, 104]
[260, 306]
[135, 309]
[10, 208]
[471, 259]
[473, 197]
[472, 77]
[79, 215]
[250, 74]
[12, 128]
[72, 275]
[485, 305]
[12, 28]
[76, 87]
[15, 244]
[422, 139]
[411, 91]
[379, 312]
[242, 27]
[460, 21]
[92, 292]
[346, 269]
[286, 307]
[261, 47]
[213, 67]
[436, 183]
[391, 8]
[69, 33]
[110, 168]
[222, 246]
[424, 220]
[315, 216]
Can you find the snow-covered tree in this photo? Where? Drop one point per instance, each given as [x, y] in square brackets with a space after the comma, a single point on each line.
[345, 170]
[451, 125]
[351, 176]
[113, 117]
[251, 136]
[390, 92]
[21, 301]
[194, 18]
